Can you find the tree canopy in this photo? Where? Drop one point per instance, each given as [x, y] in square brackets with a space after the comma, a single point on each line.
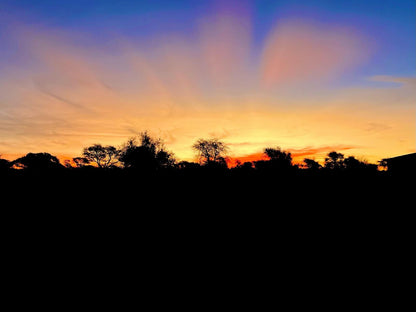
[210, 150]
[145, 153]
[37, 161]
[101, 156]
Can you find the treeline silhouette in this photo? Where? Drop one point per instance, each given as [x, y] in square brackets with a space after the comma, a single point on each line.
[140, 194]
[144, 155]
[143, 165]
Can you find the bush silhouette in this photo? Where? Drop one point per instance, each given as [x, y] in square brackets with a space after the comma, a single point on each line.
[334, 161]
[312, 164]
[146, 154]
[279, 161]
[5, 164]
[37, 161]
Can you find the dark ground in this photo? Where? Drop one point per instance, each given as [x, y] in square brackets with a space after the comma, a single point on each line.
[309, 240]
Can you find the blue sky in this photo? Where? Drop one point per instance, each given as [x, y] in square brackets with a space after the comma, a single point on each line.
[388, 24]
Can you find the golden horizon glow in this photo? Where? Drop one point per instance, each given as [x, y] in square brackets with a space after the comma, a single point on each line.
[70, 96]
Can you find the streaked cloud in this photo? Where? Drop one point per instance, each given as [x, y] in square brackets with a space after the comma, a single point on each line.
[67, 95]
[299, 52]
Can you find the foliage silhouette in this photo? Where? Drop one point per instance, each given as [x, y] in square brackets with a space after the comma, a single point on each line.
[144, 165]
[279, 161]
[4, 164]
[102, 156]
[210, 151]
[37, 162]
[279, 158]
[312, 164]
[80, 161]
[146, 154]
[353, 164]
[334, 161]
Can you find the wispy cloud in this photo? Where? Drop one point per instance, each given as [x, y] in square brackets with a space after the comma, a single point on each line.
[42, 89]
[66, 95]
[298, 52]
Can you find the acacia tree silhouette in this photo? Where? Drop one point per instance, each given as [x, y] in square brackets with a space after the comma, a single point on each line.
[102, 156]
[210, 151]
[37, 161]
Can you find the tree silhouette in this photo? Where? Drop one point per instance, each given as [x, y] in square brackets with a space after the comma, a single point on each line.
[312, 164]
[4, 164]
[210, 151]
[277, 155]
[278, 160]
[102, 156]
[37, 161]
[80, 161]
[353, 164]
[147, 154]
[334, 161]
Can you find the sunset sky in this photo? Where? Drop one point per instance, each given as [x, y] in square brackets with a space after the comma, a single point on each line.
[309, 76]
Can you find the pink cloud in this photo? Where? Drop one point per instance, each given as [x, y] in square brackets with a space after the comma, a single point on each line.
[225, 45]
[298, 52]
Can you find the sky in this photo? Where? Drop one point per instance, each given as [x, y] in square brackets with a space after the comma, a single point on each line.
[309, 76]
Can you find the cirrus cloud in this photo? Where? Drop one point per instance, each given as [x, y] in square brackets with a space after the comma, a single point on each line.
[297, 52]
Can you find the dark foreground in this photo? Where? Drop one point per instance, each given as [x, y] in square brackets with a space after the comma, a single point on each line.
[119, 207]
[321, 238]
[204, 190]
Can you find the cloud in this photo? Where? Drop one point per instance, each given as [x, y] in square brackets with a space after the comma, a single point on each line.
[66, 95]
[377, 127]
[297, 52]
[406, 82]
[225, 46]
[42, 89]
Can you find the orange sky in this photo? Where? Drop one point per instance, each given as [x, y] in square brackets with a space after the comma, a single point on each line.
[68, 95]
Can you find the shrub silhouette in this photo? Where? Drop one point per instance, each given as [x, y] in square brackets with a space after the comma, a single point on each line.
[37, 161]
[278, 161]
[5, 164]
[312, 164]
[334, 161]
[353, 164]
[146, 154]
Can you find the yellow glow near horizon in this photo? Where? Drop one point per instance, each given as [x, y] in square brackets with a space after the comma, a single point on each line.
[182, 90]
